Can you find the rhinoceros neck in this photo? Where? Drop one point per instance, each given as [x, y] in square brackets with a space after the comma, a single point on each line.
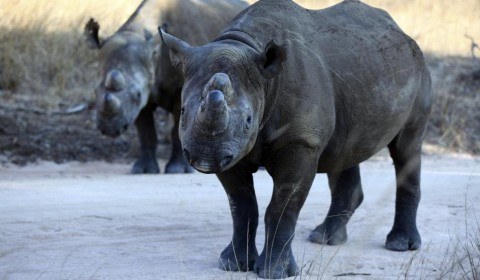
[270, 101]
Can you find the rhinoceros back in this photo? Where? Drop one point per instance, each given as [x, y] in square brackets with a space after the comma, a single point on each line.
[196, 21]
[199, 21]
[349, 56]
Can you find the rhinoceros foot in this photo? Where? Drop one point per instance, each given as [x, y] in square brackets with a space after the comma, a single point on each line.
[237, 259]
[403, 240]
[146, 165]
[329, 234]
[276, 268]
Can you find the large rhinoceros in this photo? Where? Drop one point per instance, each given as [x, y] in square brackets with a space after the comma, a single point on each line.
[137, 75]
[303, 91]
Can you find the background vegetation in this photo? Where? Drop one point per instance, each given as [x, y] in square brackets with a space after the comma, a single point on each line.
[46, 70]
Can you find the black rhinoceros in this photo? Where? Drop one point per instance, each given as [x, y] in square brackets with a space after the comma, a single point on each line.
[300, 92]
[137, 75]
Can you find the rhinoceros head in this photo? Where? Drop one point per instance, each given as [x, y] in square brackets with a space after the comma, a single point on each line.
[126, 76]
[223, 99]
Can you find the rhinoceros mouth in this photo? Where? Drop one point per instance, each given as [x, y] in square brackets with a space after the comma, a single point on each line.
[204, 169]
[220, 160]
[112, 131]
[112, 126]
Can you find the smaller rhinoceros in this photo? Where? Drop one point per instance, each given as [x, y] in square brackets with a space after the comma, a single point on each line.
[299, 92]
[137, 75]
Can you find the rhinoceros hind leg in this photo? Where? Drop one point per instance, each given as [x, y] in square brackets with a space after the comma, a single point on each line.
[347, 195]
[145, 124]
[173, 167]
[177, 162]
[405, 151]
[146, 164]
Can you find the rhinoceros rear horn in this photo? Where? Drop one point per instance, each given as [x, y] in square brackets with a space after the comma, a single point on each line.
[179, 50]
[111, 104]
[220, 82]
[114, 81]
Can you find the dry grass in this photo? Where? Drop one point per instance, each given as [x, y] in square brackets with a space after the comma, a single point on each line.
[45, 64]
[455, 119]
[461, 258]
[42, 52]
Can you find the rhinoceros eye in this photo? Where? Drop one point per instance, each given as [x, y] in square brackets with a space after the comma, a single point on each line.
[248, 124]
[182, 117]
[136, 97]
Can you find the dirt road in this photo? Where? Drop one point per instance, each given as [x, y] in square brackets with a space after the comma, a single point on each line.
[95, 221]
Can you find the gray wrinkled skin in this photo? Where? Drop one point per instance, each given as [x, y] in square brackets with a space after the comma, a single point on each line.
[136, 74]
[313, 91]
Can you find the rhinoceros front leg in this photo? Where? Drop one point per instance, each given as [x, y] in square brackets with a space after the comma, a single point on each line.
[347, 195]
[177, 162]
[293, 171]
[405, 151]
[241, 253]
[147, 163]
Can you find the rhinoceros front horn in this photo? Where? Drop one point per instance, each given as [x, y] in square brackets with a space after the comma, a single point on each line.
[111, 104]
[114, 81]
[213, 113]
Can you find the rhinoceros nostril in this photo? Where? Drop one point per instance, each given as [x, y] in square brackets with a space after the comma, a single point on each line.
[125, 127]
[226, 161]
[186, 154]
[248, 124]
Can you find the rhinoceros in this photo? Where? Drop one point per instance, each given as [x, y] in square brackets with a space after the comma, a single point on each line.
[137, 75]
[301, 92]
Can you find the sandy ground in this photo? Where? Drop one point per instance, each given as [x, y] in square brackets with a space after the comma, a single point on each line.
[95, 221]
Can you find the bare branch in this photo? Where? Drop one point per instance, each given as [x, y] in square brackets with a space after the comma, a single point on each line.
[473, 45]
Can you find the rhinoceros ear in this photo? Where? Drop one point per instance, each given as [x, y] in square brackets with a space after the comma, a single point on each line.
[271, 60]
[91, 34]
[179, 50]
